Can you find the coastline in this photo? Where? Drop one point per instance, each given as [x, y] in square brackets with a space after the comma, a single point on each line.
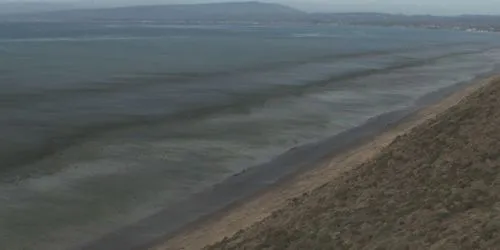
[246, 212]
[252, 195]
[151, 151]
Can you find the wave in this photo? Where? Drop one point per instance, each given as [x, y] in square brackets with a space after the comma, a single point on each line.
[309, 35]
[82, 39]
[130, 82]
[238, 103]
[316, 35]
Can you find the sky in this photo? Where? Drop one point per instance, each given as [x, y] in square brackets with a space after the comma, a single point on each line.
[441, 7]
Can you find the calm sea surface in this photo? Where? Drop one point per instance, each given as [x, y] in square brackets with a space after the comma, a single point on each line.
[104, 124]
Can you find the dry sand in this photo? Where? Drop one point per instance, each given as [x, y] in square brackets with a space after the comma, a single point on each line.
[292, 190]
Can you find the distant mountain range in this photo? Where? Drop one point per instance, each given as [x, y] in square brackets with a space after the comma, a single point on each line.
[246, 12]
[237, 11]
[33, 7]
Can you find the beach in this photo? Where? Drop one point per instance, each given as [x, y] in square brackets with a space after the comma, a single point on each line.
[242, 215]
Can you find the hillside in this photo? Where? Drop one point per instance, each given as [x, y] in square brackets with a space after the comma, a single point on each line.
[436, 187]
[244, 11]
[464, 22]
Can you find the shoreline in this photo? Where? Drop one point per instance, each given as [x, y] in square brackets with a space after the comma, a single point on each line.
[244, 213]
[252, 195]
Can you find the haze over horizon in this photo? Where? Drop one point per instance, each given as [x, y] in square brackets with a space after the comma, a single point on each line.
[442, 7]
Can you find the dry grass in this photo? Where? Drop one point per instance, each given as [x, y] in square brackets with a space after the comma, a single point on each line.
[436, 187]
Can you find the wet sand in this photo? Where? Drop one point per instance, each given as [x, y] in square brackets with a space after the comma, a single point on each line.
[241, 215]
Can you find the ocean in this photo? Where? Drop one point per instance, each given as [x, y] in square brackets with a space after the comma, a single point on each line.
[104, 124]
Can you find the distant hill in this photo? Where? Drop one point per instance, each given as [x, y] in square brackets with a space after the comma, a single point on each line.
[240, 11]
[31, 7]
[481, 22]
[237, 12]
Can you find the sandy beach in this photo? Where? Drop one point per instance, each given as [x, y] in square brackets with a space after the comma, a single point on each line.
[242, 215]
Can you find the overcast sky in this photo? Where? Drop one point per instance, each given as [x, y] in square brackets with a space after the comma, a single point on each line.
[448, 7]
